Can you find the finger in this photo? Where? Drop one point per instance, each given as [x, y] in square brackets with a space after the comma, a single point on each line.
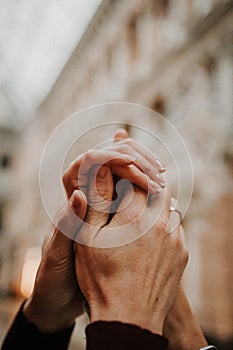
[176, 229]
[76, 176]
[144, 151]
[69, 221]
[158, 208]
[137, 177]
[100, 194]
[120, 134]
[144, 160]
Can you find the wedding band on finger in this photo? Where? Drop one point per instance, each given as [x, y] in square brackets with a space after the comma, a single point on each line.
[172, 208]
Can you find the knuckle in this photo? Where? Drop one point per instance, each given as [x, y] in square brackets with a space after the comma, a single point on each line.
[54, 258]
[126, 143]
[51, 259]
[161, 227]
[129, 141]
[124, 149]
[140, 178]
[177, 243]
[147, 168]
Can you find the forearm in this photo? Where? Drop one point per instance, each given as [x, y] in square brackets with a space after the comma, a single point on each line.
[100, 336]
[45, 318]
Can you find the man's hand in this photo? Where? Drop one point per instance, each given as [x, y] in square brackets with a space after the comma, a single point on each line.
[57, 300]
[135, 283]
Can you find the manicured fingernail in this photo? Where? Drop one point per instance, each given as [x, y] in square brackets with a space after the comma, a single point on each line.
[75, 202]
[155, 187]
[160, 165]
[127, 157]
[161, 179]
[102, 172]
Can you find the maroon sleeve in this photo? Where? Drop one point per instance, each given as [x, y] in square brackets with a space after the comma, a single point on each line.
[24, 335]
[100, 336]
[103, 335]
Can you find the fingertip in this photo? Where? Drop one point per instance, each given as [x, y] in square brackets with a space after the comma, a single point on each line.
[120, 134]
[78, 200]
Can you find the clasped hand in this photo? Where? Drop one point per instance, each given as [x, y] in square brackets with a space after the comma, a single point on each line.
[133, 283]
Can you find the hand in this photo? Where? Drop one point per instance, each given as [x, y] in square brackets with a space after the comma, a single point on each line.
[56, 291]
[56, 299]
[135, 283]
[180, 333]
[126, 158]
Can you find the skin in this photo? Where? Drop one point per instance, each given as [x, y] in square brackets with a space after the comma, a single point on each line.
[181, 327]
[109, 277]
[59, 293]
[57, 299]
[140, 167]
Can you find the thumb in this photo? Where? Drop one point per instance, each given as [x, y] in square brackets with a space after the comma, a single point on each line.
[70, 219]
[68, 222]
[100, 195]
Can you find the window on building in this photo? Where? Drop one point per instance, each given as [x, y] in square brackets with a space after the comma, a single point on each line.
[159, 104]
[1, 218]
[160, 7]
[132, 36]
[5, 161]
[209, 63]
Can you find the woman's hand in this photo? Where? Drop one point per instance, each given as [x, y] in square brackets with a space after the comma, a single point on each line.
[126, 159]
[181, 328]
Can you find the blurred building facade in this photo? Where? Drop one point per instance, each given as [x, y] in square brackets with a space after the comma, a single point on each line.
[174, 57]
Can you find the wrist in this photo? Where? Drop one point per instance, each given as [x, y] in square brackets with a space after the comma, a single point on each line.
[45, 319]
[134, 315]
[186, 336]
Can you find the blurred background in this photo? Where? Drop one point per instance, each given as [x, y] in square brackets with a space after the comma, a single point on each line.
[174, 56]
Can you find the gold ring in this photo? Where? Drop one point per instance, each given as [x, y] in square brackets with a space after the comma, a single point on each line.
[174, 209]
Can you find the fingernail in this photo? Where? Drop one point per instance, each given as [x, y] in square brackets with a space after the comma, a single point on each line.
[75, 202]
[161, 179]
[160, 165]
[102, 172]
[127, 157]
[155, 187]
